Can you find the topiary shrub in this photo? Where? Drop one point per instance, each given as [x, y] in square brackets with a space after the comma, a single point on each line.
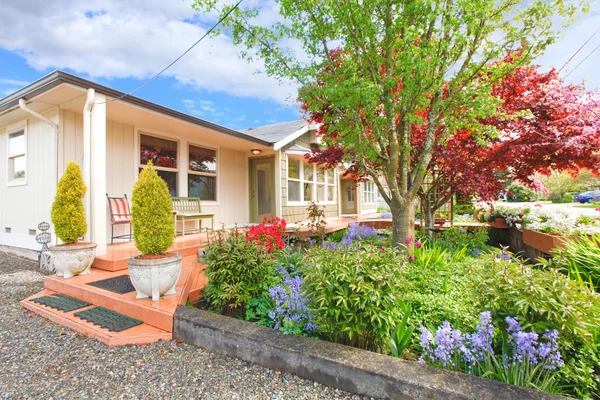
[68, 213]
[152, 213]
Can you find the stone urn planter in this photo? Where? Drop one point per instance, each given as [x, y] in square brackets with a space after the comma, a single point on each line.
[73, 259]
[543, 242]
[155, 276]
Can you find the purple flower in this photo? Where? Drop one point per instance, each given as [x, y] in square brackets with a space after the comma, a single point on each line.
[476, 252]
[411, 258]
[408, 240]
[290, 305]
[462, 230]
[384, 214]
[418, 244]
[309, 241]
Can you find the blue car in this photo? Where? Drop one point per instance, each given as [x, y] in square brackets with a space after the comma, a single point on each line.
[588, 197]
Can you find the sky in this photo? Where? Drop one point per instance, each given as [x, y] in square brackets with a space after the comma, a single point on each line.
[121, 44]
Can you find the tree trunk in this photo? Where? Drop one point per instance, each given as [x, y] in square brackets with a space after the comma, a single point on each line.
[428, 214]
[403, 223]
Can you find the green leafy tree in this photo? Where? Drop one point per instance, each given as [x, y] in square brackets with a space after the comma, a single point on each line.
[396, 64]
[559, 184]
[152, 213]
[68, 213]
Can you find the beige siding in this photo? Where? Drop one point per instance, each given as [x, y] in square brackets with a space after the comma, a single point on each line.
[296, 213]
[24, 207]
[70, 140]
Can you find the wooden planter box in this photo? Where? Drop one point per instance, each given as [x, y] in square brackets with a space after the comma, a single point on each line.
[543, 242]
[499, 223]
[439, 221]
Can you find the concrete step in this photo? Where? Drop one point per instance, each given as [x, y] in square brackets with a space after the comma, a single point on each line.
[141, 334]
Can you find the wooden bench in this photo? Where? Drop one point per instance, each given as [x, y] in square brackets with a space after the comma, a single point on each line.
[188, 209]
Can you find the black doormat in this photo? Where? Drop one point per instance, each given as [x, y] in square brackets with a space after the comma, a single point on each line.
[120, 284]
[113, 321]
[61, 302]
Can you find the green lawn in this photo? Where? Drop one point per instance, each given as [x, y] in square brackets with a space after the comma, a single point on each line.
[595, 205]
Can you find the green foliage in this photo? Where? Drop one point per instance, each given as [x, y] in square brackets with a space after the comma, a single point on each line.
[454, 239]
[257, 310]
[522, 192]
[68, 213]
[152, 213]
[546, 299]
[567, 198]
[465, 207]
[237, 272]
[355, 295]
[580, 258]
[400, 339]
[337, 236]
[559, 184]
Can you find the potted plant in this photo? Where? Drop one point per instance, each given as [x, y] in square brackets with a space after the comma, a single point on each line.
[155, 272]
[68, 216]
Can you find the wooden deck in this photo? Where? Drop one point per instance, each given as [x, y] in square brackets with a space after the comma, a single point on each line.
[157, 317]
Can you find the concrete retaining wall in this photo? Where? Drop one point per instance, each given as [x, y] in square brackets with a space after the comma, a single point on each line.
[343, 367]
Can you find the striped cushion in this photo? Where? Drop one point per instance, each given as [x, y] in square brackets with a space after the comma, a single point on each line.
[120, 210]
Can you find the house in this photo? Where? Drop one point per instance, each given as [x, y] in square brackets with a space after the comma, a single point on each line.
[240, 176]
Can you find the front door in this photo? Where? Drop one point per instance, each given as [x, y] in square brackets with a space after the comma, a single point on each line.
[262, 188]
[348, 197]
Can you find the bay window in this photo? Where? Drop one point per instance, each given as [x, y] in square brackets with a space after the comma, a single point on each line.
[307, 182]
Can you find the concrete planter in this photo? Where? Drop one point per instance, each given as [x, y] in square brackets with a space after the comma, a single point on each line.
[73, 259]
[543, 242]
[155, 277]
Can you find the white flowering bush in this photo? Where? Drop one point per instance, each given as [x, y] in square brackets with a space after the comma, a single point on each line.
[559, 222]
[512, 215]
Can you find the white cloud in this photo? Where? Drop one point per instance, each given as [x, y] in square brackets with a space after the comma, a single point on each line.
[137, 38]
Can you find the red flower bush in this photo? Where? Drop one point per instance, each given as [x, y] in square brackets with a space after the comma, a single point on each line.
[268, 233]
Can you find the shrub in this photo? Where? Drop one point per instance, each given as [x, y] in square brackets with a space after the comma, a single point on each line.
[546, 299]
[152, 213]
[68, 213]
[237, 272]
[580, 258]
[454, 239]
[355, 296]
[268, 233]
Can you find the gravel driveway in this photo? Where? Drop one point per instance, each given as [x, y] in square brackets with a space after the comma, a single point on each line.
[40, 359]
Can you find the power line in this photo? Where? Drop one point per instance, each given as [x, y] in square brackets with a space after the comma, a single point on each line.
[586, 57]
[579, 49]
[183, 54]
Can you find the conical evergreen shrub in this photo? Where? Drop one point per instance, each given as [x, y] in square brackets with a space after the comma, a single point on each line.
[68, 213]
[152, 213]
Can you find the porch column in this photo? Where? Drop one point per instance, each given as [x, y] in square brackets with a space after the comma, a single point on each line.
[86, 164]
[97, 185]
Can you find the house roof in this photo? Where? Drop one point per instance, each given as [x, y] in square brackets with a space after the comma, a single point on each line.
[60, 77]
[277, 132]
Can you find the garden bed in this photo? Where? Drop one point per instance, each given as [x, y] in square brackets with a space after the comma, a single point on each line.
[342, 367]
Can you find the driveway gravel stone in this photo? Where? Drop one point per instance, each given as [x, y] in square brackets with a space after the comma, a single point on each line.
[41, 359]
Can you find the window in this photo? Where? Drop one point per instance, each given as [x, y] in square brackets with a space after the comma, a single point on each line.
[307, 182]
[164, 155]
[17, 160]
[202, 173]
[293, 179]
[369, 192]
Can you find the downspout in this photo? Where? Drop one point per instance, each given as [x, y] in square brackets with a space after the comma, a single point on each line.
[87, 153]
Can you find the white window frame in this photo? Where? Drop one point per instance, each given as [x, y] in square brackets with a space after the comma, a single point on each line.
[369, 190]
[216, 174]
[158, 168]
[314, 183]
[10, 181]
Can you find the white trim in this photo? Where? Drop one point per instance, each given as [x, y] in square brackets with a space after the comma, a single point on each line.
[291, 137]
[10, 130]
